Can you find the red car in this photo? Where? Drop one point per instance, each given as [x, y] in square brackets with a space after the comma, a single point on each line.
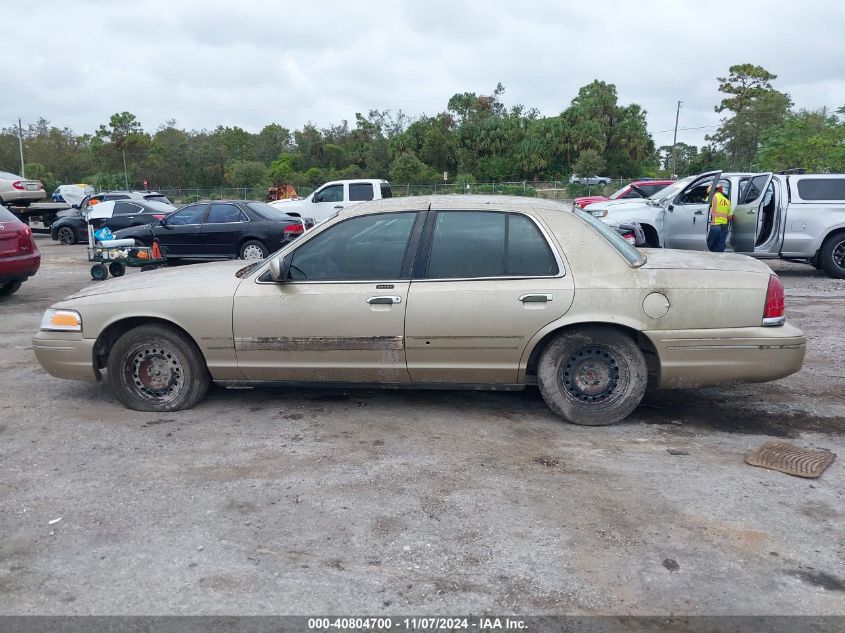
[19, 256]
[649, 188]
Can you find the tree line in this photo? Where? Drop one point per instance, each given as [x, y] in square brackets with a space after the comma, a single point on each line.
[476, 138]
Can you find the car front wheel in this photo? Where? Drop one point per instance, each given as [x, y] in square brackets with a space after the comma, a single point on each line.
[156, 368]
[592, 375]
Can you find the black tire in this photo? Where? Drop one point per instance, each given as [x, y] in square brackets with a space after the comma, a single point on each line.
[66, 235]
[603, 355]
[10, 287]
[250, 248]
[99, 272]
[117, 269]
[833, 256]
[156, 368]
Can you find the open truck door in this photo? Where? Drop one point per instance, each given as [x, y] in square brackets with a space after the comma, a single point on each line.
[747, 213]
[685, 217]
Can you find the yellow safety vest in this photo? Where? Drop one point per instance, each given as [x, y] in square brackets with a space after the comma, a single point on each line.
[720, 209]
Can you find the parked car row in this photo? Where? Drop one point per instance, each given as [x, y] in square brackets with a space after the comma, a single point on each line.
[71, 227]
[790, 216]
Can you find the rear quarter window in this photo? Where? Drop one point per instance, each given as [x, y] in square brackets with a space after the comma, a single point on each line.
[822, 189]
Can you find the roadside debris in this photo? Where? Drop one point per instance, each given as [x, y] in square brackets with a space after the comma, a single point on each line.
[790, 459]
[677, 451]
[54, 521]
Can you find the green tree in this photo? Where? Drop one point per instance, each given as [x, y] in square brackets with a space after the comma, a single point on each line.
[407, 168]
[246, 173]
[754, 107]
[813, 140]
[589, 163]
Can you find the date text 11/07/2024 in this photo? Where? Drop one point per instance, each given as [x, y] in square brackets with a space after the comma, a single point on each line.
[417, 624]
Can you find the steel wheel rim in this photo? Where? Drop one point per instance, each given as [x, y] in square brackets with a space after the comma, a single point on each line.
[65, 235]
[839, 254]
[591, 374]
[253, 251]
[157, 374]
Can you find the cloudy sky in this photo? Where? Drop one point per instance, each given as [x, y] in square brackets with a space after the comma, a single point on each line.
[254, 62]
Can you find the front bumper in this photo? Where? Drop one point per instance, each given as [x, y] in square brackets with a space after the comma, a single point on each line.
[698, 358]
[66, 355]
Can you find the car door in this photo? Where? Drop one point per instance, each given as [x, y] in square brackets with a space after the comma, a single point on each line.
[685, 218]
[340, 316]
[124, 216]
[326, 202]
[222, 230]
[486, 282]
[181, 232]
[746, 213]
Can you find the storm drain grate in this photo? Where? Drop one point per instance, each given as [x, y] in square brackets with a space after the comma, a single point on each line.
[790, 459]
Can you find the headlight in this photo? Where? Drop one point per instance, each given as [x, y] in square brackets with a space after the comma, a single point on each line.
[599, 213]
[61, 321]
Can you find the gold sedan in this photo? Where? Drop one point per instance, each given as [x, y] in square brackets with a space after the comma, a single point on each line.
[478, 292]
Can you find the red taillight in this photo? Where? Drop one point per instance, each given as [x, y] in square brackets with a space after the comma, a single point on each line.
[773, 313]
[17, 185]
[25, 243]
[157, 216]
[294, 229]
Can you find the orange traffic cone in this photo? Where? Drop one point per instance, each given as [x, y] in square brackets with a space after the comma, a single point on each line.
[156, 251]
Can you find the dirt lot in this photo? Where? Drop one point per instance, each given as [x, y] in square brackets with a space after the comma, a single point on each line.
[296, 501]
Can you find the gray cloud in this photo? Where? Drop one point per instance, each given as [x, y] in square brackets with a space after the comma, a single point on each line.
[255, 62]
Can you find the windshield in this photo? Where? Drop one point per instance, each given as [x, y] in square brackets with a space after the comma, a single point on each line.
[630, 253]
[618, 193]
[672, 190]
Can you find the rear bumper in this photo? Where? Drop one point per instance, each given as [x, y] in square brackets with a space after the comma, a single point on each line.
[12, 268]
[66, 355]
[697, 358]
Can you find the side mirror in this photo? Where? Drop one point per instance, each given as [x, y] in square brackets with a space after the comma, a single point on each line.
[163, 223]
[280, 268]
[314, 198]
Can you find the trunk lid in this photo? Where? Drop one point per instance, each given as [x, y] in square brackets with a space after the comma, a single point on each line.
[667, 258]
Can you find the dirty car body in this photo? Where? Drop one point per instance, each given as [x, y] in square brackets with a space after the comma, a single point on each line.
[465, 291]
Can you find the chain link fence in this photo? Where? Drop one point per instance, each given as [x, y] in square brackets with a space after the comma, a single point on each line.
[552, 190]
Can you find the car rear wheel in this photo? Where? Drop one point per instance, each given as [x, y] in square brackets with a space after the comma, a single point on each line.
[156, 368]
[10, 287]
[253, 249]
[66, 235]
[833, 256]
[592, 375]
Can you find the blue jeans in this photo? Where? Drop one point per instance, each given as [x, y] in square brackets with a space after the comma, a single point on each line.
[716, 237]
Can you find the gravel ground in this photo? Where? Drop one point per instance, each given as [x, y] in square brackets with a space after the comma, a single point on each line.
[278, 501]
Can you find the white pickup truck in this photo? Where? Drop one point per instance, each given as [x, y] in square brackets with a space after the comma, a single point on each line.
[791, 216]
[334, 196]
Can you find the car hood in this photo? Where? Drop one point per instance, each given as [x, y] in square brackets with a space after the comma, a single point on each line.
[617, 205]
[182, 281]
[668, 258]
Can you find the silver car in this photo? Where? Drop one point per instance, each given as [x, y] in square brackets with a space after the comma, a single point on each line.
[16, 190]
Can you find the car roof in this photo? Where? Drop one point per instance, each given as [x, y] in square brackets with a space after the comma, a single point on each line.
[455, 202]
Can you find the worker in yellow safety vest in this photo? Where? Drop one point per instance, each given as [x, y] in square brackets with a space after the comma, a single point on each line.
[721, 216]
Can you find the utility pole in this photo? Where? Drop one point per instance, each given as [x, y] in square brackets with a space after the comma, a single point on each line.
[20, 142]
[125, 175]
[675, 139]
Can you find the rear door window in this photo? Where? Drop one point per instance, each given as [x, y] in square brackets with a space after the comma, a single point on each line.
[126, 208]
[360, 191]
[478, 244]
[224, 214]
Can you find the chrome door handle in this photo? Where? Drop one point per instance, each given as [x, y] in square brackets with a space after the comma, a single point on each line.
[384, 300]
[699, 212]
[535, 298]
[752, 211]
